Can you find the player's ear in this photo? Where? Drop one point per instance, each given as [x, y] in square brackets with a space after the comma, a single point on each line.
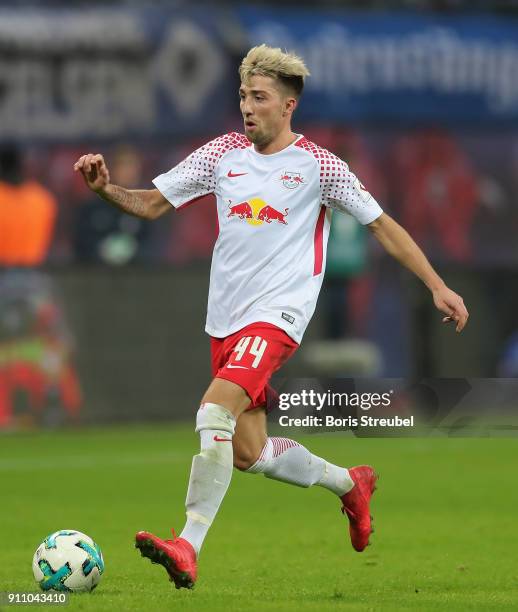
[290, 104]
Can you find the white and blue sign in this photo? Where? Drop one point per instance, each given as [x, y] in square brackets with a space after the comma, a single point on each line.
[397, 66]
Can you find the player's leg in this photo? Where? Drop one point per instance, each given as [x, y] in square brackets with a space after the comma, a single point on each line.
[210, 476]
[282, 458]
[288, 461]
[211, 469]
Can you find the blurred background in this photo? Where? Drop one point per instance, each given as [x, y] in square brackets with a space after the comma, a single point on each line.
[102, 315]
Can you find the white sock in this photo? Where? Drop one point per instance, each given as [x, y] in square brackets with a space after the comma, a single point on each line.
[211, 471]
[288, 461]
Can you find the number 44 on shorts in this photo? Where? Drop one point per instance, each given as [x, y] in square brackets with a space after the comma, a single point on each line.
[256, 349]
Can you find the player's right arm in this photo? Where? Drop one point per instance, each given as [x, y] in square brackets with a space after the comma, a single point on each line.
[143, 203]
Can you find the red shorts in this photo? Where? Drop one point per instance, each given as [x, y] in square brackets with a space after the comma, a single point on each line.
[250, 356]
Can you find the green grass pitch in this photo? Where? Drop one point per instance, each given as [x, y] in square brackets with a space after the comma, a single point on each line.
[446, 513]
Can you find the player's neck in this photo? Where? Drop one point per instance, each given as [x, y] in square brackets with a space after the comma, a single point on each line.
[281, 141]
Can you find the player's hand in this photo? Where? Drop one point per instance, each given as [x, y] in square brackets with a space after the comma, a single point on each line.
[452, 305]
[94, 171]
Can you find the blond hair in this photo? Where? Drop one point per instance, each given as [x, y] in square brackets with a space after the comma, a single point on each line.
[288, 68]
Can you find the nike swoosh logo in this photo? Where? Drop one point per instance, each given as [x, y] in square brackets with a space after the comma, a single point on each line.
[216, 439]
[229, 366]
[232, 175]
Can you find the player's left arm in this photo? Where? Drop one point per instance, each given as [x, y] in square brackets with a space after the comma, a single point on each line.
[398, 243]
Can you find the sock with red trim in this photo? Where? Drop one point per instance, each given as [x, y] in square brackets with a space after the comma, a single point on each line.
[288, 461]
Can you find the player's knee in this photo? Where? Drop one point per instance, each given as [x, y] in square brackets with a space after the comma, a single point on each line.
[215, 417]
[244, 458]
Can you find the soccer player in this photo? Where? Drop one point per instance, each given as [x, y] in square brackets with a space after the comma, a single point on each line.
[275, 192]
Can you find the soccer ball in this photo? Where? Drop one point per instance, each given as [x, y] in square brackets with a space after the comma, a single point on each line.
[68, 560]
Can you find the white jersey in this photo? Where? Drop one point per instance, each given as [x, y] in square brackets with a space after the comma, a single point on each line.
[274, 214]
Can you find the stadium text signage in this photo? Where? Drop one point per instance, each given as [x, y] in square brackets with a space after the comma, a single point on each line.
[401, 66]
[107, 73]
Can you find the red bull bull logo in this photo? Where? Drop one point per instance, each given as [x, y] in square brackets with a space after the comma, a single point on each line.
[257, 212]
[242, 210]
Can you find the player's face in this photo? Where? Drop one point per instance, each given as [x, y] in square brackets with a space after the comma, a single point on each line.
[265, 107]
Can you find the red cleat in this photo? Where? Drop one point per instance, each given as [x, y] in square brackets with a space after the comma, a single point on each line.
[356, 505]
[176, 555]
